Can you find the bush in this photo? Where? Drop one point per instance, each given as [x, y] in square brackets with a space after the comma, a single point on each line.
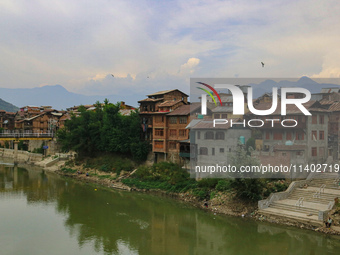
[209, 183]
[68, 170]
[109, 163]
[165, 175]
[223, 185]
[248, 189]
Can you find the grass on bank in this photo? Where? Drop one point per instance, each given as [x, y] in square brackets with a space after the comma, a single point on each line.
[107, 163]
[171, 177]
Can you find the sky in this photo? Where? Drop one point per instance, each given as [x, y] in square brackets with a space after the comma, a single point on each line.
[151, 46]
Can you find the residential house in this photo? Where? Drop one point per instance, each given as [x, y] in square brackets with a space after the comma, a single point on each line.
[307, 134]
[213, 145]
[153, 110]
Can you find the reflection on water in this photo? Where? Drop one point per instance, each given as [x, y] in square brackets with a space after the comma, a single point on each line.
[48, 214]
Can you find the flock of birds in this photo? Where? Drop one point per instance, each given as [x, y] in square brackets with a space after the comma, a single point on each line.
[148, 76]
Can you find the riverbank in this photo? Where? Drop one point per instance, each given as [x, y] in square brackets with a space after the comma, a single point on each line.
[223, 203]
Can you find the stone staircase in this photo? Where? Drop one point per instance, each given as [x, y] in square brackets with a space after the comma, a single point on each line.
[307, 201]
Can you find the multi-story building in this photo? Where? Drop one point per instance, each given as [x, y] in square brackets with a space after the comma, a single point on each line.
[44, 121]
[6, 120]
[154, 108]
[214, 145]
[307, 137]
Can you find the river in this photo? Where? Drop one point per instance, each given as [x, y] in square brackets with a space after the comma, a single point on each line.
[43, 213]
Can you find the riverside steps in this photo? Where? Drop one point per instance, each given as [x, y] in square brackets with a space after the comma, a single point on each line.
[307, 201]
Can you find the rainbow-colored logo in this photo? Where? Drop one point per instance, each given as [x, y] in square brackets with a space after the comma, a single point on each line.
[209, 93]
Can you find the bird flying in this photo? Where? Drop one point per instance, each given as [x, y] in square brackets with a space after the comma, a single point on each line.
[112, 75]
[262, 64]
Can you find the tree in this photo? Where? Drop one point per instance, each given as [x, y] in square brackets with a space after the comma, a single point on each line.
[104, 130]
[246, 187]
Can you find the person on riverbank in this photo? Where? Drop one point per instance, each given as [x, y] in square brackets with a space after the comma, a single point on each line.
[329, 222]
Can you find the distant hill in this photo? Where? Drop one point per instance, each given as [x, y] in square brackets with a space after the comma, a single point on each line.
[304, 82]
[8, 107]
[56, 96]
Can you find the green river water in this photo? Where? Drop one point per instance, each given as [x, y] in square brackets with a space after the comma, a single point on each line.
[43, 213]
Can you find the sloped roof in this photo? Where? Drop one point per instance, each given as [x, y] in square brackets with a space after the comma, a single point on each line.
[223, 109]
[169, 103]
[209, 124]
[182, 110]
[151, 100]
[335, 107]
[165, 92]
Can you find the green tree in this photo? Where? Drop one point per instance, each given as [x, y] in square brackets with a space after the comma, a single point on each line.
[104, 130]
[246, 187]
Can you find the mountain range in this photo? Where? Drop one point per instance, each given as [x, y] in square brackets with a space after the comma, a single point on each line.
[60, 98]
[304, 82]
[7, 106]
[56, 96]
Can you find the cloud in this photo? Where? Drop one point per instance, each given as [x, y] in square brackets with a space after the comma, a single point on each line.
[330, 66]
[189, 66]
[79, 44]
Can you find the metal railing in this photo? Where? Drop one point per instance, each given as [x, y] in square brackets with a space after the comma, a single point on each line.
[26, 135]
[322, 188]
[299, 203]
[317, 194]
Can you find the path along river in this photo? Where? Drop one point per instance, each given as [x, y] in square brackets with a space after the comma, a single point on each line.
[43, 213]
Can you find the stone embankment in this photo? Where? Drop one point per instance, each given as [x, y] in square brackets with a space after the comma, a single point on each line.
[22, 156]
[307, 202]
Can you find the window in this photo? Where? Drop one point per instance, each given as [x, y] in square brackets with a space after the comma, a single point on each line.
[229, 149]
[172, 145]
[299, 136]
[159, 144]
[203, 151]
[159, 119]
[221, 150]
[267, 135]
[173, 132]
[198, 134]
[284, 154]
[321, 151]
[159, 132]
[314, 135]
[299, 153]
[321, 135]
[314, 152]
[183, 120]
[321, 119]
[277, 135]
[302, 119]
[209, 135]
[219, 135]
[212, 151]
[173, 120]
[182, 132]
[224, 116]
[315, 119]
[216, 116]
[288, 136]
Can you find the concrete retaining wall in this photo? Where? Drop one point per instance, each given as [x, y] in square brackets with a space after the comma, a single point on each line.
[22, 156]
